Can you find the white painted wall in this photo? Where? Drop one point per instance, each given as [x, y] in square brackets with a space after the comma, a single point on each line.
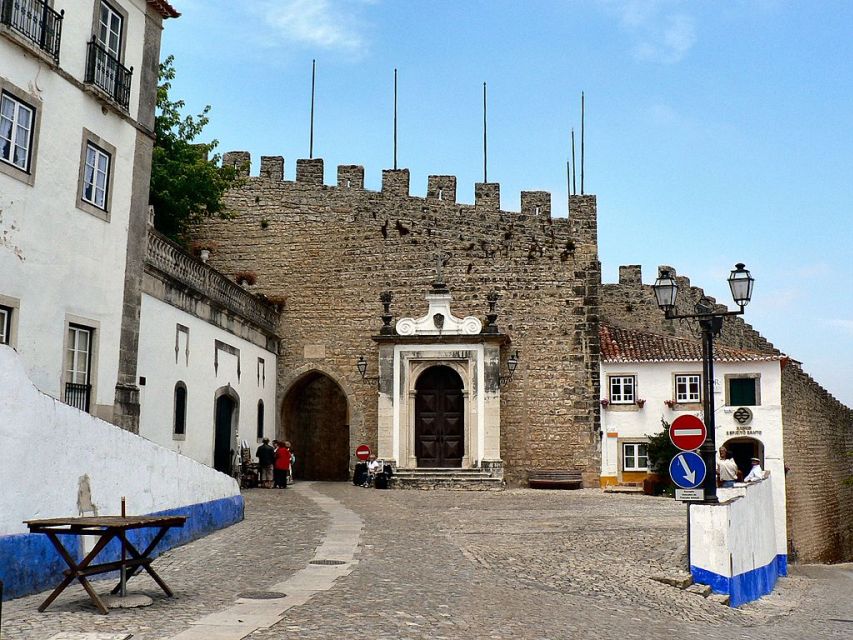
[157, 363]
[48, 446]
[56, 259]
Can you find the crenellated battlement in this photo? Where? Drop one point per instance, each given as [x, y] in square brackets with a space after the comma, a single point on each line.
[395, 182]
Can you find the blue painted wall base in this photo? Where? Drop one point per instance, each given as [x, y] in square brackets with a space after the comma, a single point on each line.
[29, 563]
[744, 587]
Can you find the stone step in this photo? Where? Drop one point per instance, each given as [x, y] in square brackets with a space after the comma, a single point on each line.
[442, 471]
[461, 483]
[624, 488]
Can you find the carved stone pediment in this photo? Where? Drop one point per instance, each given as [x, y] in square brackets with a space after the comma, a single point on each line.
[439, 321]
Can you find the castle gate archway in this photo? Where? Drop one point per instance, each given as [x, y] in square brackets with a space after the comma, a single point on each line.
[315, 419]
[439, 418]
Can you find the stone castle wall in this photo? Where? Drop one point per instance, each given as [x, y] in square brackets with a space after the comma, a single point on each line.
[818, 441]
[332, 250]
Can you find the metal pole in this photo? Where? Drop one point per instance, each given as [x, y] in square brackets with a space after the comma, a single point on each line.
[708, 449]
[395, 118]
[311, 140]
[485, 148]
[123, 582]
[582, 139]
[574, 170]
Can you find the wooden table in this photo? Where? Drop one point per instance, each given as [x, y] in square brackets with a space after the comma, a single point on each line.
[106, 528]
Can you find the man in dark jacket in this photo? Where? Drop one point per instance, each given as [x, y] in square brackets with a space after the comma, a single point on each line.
[266, 457]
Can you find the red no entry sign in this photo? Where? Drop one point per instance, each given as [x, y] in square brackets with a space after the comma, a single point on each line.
[687, 432]
[362, 452]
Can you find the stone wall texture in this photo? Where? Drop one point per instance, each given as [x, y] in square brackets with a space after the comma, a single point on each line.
[818, 429]
[331, 250]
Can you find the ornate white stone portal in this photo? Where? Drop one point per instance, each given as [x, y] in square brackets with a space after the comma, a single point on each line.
[422, 426]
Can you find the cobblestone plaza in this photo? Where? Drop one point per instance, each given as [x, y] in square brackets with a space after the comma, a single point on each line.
[444, 564]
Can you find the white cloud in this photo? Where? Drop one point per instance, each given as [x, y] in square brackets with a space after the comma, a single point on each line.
[659, 31]
[327, 24]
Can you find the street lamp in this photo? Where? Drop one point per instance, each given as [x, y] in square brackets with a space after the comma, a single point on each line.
[711, 322]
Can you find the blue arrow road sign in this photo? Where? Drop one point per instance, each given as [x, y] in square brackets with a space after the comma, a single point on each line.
[687, 470]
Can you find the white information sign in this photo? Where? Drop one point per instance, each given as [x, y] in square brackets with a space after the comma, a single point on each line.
[690, 495]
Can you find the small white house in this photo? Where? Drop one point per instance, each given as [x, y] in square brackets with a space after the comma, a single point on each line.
[648, 379]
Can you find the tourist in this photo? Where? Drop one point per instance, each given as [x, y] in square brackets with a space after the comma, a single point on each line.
[292, 461]
[266, 458]
[374, 467]
[281, 466]
[727, 470]
[756, 474]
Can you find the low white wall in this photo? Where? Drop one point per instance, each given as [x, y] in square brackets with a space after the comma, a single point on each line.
[734, 544]
[60, 462]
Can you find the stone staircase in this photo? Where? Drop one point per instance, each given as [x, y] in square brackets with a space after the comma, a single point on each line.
[625, 487]
[446, 478]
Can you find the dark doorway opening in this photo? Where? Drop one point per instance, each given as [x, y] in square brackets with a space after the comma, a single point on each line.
[315, 419]
[224, 434]
[439, 418]
[743, 450]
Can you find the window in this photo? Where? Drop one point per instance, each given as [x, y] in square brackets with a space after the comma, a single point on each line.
[36, 21]
[95, 176]
[180, 427]
[104, 68]
[743, 392]
[687, 388]
[78, 362]
[5, 325]
[109, 30]
[260, 419]
[635, 457]
[622, 389]
[16, 131]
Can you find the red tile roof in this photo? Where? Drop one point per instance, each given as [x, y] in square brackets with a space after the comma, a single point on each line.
[166, 10]
[630, 345]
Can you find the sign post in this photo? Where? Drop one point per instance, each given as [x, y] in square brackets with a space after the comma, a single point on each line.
[362, 452]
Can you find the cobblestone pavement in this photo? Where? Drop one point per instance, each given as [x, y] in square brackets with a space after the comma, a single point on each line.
[446, 564]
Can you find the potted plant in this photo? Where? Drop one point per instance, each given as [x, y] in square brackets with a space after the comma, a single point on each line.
[246, 278]
[640, 402]
[670, 403]
[203, 249]
[605, 402]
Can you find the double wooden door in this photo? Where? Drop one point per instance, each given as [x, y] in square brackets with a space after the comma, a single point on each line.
[439, 418]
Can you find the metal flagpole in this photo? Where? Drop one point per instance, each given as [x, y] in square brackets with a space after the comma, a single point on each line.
[582, 139]
[574, 170]
[311, 140]
[485, 147]
[395, 118]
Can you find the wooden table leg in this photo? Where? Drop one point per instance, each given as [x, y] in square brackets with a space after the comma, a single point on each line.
[147, 562]
[74, 570]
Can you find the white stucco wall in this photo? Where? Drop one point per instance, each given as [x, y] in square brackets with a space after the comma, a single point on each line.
[57, 260]
[48, 447]
[158, 365]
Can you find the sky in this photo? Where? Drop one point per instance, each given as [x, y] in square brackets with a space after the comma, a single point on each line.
[715, 132]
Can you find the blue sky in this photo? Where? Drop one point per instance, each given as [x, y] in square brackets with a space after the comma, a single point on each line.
[716, 132]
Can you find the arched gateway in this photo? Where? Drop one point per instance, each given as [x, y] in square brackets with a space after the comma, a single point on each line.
[315, 419]
[439, 418]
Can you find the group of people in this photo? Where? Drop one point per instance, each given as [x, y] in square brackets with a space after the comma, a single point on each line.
[275, 463]
[728, 472]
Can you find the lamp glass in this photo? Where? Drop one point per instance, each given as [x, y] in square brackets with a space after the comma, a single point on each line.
[666, 290]
[512, 363]
[741, 282]
[361, 365]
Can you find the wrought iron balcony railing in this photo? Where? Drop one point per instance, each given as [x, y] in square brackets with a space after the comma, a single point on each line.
[108, 74]
[77, 395]
[36, 21]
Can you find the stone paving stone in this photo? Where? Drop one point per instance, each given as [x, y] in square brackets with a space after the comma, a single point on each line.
[448, 565]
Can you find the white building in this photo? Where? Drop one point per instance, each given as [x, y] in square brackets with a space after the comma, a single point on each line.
[76, 134]
[647, 378]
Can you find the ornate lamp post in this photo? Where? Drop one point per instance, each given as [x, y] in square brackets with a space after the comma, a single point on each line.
[711, 323]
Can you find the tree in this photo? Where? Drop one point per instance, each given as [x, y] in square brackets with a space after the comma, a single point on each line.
[187, 183]
[661, 450]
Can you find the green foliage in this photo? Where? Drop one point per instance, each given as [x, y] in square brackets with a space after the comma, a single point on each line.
[187, 183]
[661, 450]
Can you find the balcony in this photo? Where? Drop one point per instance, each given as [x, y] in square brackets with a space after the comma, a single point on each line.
[77, 395]
[104, 71]
[36, 21]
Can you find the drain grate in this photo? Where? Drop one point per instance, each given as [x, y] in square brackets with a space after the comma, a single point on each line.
[262, 595]
[327, 562]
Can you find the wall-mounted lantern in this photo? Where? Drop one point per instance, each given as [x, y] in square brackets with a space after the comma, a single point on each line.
[361, 365]
[511, 365]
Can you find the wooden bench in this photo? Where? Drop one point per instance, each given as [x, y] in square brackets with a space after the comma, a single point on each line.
[555, 479]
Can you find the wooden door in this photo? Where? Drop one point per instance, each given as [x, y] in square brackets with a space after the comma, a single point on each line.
[222, 446]
[439, 418]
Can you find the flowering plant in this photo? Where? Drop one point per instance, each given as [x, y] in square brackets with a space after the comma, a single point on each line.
[605, 402]
[640, 402]
[670, 403]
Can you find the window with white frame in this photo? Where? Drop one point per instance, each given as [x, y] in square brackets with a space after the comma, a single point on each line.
[78, 364]
[688, 388]
[96, 176]
[635, 456]
[5, 325]
[109, 29]
[622, 389]
[16, 131]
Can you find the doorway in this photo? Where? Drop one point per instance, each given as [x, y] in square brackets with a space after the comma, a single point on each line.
[743, 450]
[315, 419]
[223, 439]
[439, 418]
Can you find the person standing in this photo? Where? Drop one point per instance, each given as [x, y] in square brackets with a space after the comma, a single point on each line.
[281, 466]
[292, 461]
[727, 469]
[756, 474]
[266, 458]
